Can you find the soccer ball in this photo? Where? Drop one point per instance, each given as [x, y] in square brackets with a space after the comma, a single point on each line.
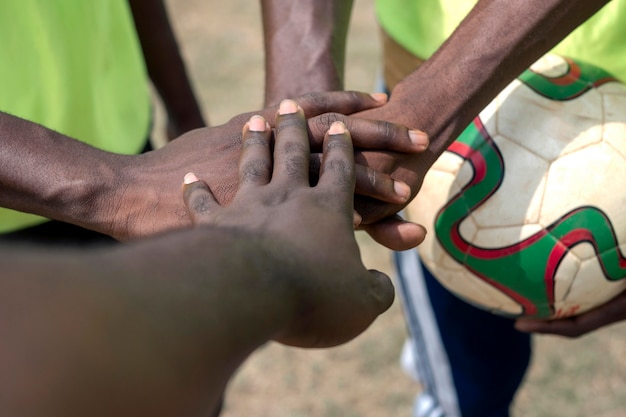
[526, 210]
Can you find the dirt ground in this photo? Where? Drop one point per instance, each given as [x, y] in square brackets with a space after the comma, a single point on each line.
[581, 378]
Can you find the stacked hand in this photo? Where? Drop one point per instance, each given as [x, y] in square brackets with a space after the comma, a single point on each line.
[145, 201]
[307, 228]
[170, 318]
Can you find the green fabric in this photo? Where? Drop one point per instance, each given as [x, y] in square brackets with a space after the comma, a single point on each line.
[74, 66]
[421, 26]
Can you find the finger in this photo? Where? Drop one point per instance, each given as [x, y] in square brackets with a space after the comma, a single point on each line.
[199, 200]
[562, 327]
[255, 162]
[369, 182]
[344, 102]
[380, 186]
[314, 104]
[570, 327]
[291, 147]
[374, 211]
[337, 176]
[370, 134]
[396, 233]
[382, 290]
[608, 313]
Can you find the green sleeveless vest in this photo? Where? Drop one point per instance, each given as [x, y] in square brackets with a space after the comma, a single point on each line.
[421, 26]
[74, 66]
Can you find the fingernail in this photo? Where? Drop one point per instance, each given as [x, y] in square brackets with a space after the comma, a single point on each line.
[337, 128]
[190, 178]
[257, 124]
[380, 97]
[418, 138]
[402, 189]
[288, 107]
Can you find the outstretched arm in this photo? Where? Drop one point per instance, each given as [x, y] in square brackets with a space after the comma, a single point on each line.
[492, 45]
[157, 327]
[496, 42]
[45, 173]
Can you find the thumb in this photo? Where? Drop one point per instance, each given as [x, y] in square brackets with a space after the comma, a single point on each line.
[200, 202]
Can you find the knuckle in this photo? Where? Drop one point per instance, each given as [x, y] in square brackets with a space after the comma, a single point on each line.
[354, 96]
[355, 101]
[325, 120]
[290, 121]
[387, 130]
[311, 102]
[294, 147]
[337, 145]
[342, 171]
[296, 166]
[199, 203]
[255, 169]
[254, 139]
[372, 178]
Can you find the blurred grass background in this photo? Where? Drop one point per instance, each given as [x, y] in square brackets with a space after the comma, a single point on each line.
[223, 46]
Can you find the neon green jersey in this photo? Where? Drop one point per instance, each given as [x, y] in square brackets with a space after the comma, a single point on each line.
[74, 66]
[421, 26]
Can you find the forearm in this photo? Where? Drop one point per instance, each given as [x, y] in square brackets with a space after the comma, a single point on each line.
[49, 174]
[232, 274]
[305, 45]
[495, 43]
[154, 328]
[165, 64]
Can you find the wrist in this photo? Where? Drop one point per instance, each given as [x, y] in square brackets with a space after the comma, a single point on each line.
[98, 204]
[304, 47]
[313, 70]
[136, 202]
[226, 273]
